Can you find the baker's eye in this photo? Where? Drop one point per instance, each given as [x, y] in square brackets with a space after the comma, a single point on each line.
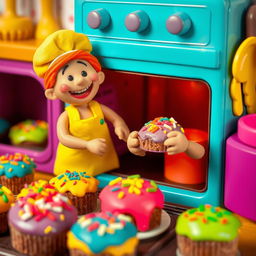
[84, 73]
[70, 78]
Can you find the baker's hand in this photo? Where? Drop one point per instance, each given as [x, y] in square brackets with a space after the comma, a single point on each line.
[176, 143]
[122, 131]
[97, 146]
[133, 144]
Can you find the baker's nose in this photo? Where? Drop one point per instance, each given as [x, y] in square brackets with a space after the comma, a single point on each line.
[79, 80]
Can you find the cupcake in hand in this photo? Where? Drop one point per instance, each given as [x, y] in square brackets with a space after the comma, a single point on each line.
[163, 134]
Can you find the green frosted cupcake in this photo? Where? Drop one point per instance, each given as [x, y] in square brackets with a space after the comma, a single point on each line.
[29, 133]
[207, 231]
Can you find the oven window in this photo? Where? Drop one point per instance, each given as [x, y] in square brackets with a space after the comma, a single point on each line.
[22, 99]
[142, 97]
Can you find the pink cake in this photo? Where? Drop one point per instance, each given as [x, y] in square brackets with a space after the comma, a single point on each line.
[141, 199]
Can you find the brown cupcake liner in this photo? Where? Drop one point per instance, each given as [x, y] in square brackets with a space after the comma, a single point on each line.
[85, 204]
[31, 145]
[188, 247]
[155, 219]
[15, 184]
[77, 252]
[150, 145]
[3, 222]
[34, 245]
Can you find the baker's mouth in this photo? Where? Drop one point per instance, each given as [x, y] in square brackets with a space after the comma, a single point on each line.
[83, 93]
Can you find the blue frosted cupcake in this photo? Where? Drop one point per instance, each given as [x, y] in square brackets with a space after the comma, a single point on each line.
[16, 170]
[103, 234]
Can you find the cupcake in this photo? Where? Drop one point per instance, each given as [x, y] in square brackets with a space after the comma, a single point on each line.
[16, 170]
[103, 234]
[80, 188]
[6, 199]
[29, 133]
[35, 187]
[154, 133]
[141, 199]
[39, 223]
[207, 231]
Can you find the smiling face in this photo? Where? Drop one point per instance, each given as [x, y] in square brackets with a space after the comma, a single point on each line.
[77, 83]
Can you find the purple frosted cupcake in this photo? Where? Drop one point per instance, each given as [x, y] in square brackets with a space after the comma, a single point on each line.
[154, 133]
[39, 223]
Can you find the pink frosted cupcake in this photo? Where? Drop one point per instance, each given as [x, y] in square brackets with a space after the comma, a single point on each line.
[140, 199]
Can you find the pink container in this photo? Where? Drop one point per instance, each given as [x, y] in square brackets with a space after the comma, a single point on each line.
[247, 129]
[240, 176]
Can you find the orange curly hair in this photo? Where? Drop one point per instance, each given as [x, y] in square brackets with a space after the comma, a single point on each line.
[57, 64]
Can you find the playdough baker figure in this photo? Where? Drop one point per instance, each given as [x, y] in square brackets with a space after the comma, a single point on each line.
[73, 75]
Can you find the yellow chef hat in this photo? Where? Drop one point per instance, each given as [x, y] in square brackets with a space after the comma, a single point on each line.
[56, 44]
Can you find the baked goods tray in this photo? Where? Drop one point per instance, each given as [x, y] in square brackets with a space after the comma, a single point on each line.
[161, 245]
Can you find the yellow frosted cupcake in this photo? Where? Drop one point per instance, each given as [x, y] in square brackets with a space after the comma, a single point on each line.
[6, 199]
[80, 188]
[36, 187]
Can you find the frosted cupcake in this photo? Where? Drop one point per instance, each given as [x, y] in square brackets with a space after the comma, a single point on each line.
[207, 230]
[141, 199]
[154, 133]
[80, 188]
[36, 187]
[16, 170]
[6, 199]
[29, 133]
[41, 219]
[103, 234]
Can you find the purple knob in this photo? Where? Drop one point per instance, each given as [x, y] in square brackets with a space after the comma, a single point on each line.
[178, 24]
[98, 19]
[137, 21]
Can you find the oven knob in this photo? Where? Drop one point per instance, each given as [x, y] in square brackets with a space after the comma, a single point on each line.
[178, 24]
[137, 21]
[98, 18]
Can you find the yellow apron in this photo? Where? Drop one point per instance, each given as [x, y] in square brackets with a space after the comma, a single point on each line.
[87, 129]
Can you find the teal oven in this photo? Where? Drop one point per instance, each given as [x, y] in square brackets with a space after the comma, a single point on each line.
[169, 58]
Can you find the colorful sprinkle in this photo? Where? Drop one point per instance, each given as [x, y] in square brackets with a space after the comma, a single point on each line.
[150, 190]
[48, 229]
[136, 176]
[115, 181]
[121, 195]
[115, 189]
